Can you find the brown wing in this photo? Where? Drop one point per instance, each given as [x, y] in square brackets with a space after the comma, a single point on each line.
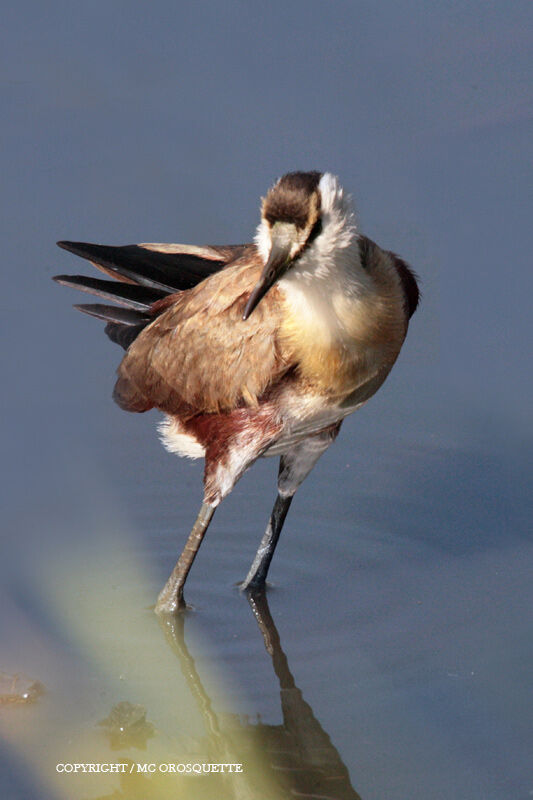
[143, 273]
[199, 356]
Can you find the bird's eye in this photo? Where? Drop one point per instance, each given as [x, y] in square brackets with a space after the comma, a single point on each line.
[315, 231]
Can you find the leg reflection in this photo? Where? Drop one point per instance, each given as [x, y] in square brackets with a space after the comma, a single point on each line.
[299, 748]
[296, 757]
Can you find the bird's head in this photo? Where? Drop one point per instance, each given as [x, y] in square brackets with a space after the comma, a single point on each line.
[294, 213]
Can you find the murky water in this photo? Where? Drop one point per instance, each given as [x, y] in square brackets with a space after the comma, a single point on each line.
[392, 660]
[388, 660]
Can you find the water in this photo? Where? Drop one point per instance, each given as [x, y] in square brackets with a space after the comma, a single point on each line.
[393, 659]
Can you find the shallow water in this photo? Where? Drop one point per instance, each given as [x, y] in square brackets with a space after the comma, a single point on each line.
[390, 661]
[394, 659]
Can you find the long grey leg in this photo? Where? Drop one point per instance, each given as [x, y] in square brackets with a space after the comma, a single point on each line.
[170, 598]
[258, 571]
[294, 467]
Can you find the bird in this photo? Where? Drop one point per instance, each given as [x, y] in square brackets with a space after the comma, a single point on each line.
[253, 350]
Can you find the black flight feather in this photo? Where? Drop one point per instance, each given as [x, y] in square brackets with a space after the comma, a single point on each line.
[143, 277]
[124, 316]
[169, 272]
[123, 335]
[126, 294]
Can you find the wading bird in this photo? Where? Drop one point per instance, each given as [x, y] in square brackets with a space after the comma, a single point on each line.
[257, 349]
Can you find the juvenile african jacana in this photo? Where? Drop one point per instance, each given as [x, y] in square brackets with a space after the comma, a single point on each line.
[256, 349]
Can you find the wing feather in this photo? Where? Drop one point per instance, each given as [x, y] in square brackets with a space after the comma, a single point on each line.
[199, 356]
[144, 273]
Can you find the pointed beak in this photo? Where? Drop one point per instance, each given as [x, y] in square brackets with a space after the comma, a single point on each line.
[283, 237]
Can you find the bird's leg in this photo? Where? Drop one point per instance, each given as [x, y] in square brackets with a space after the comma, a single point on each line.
[294, 467]
[170, 598]
[258, 571]
[226, 459]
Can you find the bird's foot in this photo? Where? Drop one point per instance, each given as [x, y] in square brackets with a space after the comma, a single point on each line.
[170, 601]
[253, 585]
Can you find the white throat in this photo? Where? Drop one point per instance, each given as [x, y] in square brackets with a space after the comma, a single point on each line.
[327, 281]
[336, 244]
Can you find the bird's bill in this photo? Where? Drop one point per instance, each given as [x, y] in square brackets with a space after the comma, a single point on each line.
[283, 238]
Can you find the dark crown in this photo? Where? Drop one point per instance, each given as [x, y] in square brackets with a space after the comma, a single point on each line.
[290, 199]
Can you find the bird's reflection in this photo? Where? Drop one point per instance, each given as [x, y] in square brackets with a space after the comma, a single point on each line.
[297, 753]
